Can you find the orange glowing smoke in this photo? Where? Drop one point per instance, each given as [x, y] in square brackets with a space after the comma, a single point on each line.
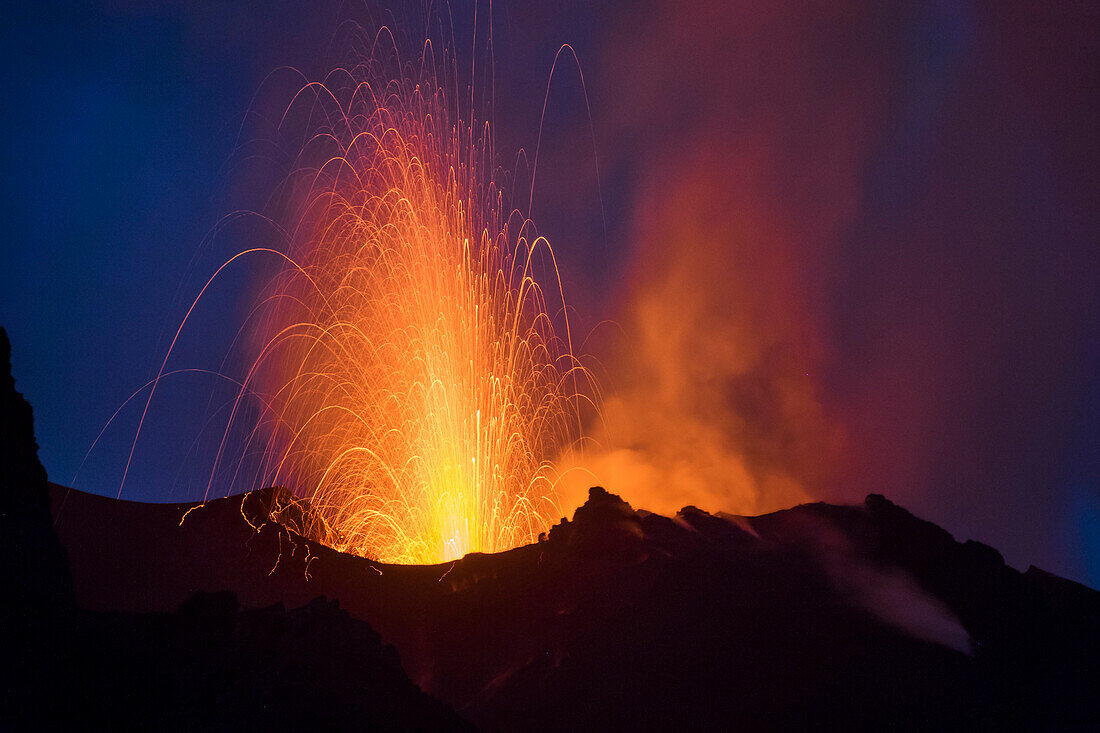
[413, 380]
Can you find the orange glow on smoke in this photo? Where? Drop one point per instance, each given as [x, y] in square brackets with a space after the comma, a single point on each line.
[414, 384]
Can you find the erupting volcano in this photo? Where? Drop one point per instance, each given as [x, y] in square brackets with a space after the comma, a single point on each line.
[410, 378]
[725, 424]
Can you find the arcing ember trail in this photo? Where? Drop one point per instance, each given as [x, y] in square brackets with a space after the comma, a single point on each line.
[406, 373]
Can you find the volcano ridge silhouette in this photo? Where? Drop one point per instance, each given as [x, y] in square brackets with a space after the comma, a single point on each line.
[849, 616]
[175, 616]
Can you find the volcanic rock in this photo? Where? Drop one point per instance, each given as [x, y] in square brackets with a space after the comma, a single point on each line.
[838, 617]
[215, 666]
[36, 594]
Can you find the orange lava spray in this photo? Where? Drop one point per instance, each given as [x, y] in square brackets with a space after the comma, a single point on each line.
[414, 382]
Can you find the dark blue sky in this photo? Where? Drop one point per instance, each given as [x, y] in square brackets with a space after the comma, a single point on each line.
[119, 127]
[927, 172]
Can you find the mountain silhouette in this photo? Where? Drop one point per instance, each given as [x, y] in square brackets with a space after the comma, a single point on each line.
[837, 617]
[175, 616]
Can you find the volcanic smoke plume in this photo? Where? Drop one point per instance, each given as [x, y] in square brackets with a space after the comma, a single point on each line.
[860, 256]
[714, 393]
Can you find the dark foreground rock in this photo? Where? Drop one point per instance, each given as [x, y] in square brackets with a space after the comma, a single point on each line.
[215, 666]
[36, 593]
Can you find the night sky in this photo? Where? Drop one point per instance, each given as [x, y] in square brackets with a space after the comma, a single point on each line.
[846, 249]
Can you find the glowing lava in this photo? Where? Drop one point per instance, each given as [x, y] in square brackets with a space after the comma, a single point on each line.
[413, 380]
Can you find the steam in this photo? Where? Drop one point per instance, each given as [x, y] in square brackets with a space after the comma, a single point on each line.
[887, 592]
[893, 597]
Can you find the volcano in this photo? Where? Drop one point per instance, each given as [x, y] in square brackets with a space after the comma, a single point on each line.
[848, 616]
[175, 616]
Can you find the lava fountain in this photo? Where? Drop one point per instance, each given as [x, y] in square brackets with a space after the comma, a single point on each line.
[414, 379]
[408, 372]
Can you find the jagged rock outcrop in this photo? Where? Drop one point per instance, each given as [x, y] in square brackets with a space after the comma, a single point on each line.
[32, 560]
[36, 594]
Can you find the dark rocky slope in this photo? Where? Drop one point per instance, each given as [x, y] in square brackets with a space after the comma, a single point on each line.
[826, 616]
